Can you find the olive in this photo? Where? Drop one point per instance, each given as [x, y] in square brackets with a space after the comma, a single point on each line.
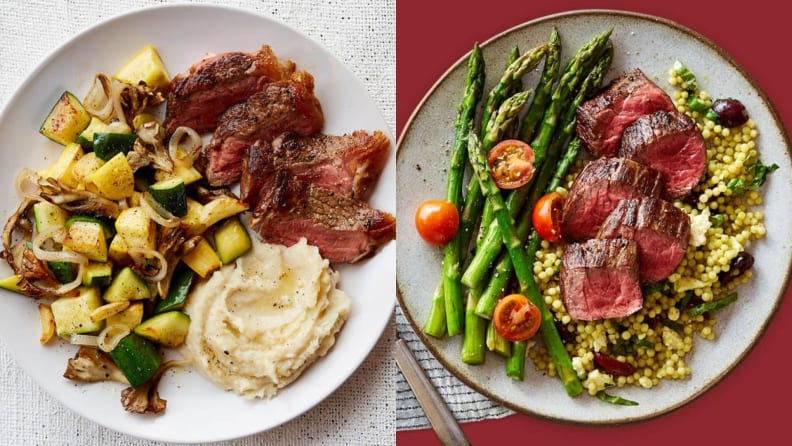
[740, 264]
[730, 112]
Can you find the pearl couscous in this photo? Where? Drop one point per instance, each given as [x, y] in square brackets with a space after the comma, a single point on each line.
[656, 340]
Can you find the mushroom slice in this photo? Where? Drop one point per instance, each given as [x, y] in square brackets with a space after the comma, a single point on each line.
[92, 365]
[145, 398]
[136, 98]
[149, 149]
[80, 201]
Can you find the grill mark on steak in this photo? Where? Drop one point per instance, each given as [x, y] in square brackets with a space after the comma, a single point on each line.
[347, 164]
[599, 279]
[661, 231]
[598, 189]
[279, 107]
[198, 97]
[602, 119]
[670, 143]
[344, 229]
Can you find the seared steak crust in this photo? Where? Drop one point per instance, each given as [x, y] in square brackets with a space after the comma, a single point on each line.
[197, 98]
[671, 143]
[347, 164]
[661, 231]
[598, 189]
[344, 229]
[279, 107]
[599, 279]
[602, 119]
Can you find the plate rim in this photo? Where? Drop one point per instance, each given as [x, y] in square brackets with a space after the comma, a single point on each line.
[416, 327]
[377, 332]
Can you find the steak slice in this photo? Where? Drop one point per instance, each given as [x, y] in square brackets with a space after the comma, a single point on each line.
[599, 279]
[198, 97]
[598, 189]
[279, 107]
[661, 231]
[670, 143]
[602, 119]
[344, 229]
[348, 164]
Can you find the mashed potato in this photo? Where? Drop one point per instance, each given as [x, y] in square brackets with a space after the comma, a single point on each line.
[258, 323]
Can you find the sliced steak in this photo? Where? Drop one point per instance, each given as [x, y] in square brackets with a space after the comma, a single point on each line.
[671, 143]
[602, 119]
[598, 189]
[279, 107]
[661, 230]
[344, 229]
[197, 98]
[599, 279]
[348, 164]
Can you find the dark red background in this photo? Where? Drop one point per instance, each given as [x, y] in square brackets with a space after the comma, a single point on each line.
[750, 404]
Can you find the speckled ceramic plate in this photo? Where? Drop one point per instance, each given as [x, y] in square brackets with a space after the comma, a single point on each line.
[640, 41]
[198, 411]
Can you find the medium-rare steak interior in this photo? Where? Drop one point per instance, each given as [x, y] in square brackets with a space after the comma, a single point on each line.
[344, 229]
[670, 143]
[598, 189]
[599, 279]
[198, 97]
[279, 107]
[602, 119]
[661, 230]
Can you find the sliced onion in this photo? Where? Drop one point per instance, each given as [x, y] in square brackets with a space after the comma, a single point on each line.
[117, 107]
[184, 155]
[57, 233]
[109, 338]
[64, 288]
[26, 184]
[86, 340]
[158, 213]
[99, 100]
[146, 253]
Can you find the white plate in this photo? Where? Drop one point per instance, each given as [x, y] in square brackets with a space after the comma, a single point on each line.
[197, 410]
[639, 41]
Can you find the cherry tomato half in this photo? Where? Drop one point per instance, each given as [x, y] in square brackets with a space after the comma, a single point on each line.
[546, 217]
[516, 318]
[437, 221]
[511, 163]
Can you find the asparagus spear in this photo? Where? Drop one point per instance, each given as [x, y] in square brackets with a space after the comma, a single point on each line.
[511, 75]
[435, 324]
[523, 269]
[549, 77]
[474, 201]
[537, 107]
[576, 70]
[452, 288]
[473, 340]
[503, 270]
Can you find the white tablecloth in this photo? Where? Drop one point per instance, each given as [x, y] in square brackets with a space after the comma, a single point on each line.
[360, 33]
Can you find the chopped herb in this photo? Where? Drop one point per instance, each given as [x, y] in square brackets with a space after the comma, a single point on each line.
[714, 305]
[696, 104]
[736, 185]
[641, 342]
[711, 115]
[716, 220]
[613, 399]
[760, 172]
[688, 78]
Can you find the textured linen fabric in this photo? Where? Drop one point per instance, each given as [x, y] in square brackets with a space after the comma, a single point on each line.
[361, 34]
[465, 403]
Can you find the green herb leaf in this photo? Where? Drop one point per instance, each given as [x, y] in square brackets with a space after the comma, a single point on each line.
[736, 185]
[716, 220]
[613, 399]
[760, 172]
